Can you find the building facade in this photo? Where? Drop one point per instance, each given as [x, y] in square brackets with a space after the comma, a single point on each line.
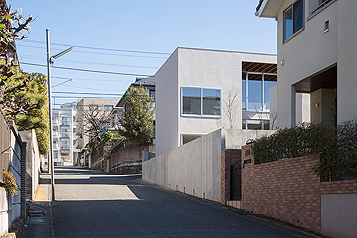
[316, 55]
[64, 127]
[92, 107]
[197, 89]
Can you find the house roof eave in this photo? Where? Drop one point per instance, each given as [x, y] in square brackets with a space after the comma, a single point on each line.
[268, 8]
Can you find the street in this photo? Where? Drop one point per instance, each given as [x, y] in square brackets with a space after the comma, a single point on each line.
[95, 204]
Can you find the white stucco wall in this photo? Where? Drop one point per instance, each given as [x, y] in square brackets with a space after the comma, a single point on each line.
[305, 55]
[202, 68]
[302, 107]
[167, 105]
[347, 59]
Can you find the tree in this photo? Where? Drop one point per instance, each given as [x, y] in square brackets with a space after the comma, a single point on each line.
[137, 124]
[229, 109]
[11, 28]
[22, 95]
[94, 120]
[28, 107]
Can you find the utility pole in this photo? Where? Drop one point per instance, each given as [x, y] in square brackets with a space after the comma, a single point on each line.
[49, 62]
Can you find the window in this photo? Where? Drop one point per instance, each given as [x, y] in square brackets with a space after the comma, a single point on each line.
[191, 99]
[315, 5]
[293, 19]
[108, 107]
[201, 101]
[65, 121]
[269, 80]
[256, 91]
[255, 124]
[93, 107]
[211, 102]
[152, 94]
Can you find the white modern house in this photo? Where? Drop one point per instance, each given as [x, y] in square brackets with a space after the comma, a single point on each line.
[194, 87]
[317, 55]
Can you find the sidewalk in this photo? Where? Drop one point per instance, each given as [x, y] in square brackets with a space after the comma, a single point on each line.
[40, 211]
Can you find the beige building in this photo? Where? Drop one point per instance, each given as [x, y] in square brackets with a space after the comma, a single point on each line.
[103, 106]
[316, 55]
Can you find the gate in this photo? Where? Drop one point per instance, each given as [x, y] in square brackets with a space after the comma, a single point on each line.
[236, 181]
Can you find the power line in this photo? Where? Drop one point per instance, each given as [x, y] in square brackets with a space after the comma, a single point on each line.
[91, 88]
[98, 53]
[106, 49]
[88, 70]
[87, 62]
[102, 94]
[74, 79]
[71, 97]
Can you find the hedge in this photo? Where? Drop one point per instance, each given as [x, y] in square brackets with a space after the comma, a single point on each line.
[334, 147]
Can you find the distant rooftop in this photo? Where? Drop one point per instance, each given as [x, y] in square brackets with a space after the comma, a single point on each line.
[145, 81]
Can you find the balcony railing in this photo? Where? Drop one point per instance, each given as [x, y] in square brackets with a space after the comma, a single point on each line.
[65, 123]
[65, 147]
[64, 135]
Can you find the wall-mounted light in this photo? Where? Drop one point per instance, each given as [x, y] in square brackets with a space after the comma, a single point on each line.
[282, 62]
[317, 104]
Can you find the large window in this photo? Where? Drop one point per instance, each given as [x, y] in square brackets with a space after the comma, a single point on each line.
[256, 91]
[201, 101]
[293, 19]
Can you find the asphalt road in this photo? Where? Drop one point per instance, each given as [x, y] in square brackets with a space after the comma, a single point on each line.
[95, 204]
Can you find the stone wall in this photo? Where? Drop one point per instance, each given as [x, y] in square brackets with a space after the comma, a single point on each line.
[130, 153]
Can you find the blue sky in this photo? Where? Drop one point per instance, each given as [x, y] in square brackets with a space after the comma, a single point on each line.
[135, 25]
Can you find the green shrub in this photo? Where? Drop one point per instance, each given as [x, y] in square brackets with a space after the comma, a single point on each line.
[336, 148]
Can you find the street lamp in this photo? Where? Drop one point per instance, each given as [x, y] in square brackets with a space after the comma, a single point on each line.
[49, 62]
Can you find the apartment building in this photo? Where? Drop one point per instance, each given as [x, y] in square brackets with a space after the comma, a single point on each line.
[64, 126]
[317, 55]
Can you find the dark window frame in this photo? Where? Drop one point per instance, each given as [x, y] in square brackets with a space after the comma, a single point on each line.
[293, 7]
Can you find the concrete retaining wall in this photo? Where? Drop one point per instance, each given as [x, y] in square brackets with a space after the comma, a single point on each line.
[195, 168]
